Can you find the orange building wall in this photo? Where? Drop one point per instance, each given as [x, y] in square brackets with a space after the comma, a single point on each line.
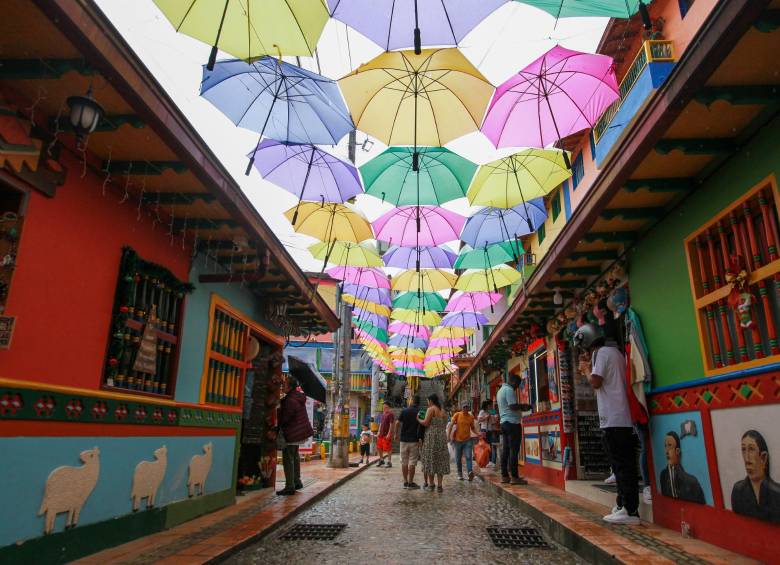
[62, 290]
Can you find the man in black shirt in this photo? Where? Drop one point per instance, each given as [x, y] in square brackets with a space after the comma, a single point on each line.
[410, 441]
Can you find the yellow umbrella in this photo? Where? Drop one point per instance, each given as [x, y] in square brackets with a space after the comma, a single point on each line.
[427, 318]
[330, 222]
[516, 179]
[346, 254]
[412, 352]
[451, 331]
[406, 99]
[424, 280]
[443, 350]
[372, 307]
[481, 280]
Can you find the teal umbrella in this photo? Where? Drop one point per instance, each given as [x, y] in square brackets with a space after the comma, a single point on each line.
[437, 176]
[425, 300]
[600, 8]
[488, 257]
[370, 329]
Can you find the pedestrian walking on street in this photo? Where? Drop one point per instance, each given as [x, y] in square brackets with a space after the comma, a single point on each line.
[384, 441]
[435, 456]
[607, 376]
[365, 443]
[464, 429]
[410, 441]
[295, 427]
[494, 433]
[510, 418]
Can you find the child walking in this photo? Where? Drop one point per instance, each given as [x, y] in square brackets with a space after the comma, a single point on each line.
[365, 443]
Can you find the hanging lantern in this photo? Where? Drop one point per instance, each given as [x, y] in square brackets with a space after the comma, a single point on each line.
[85, 113]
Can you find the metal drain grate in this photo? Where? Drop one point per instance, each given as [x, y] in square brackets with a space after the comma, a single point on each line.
[313, 532]
[517, 537]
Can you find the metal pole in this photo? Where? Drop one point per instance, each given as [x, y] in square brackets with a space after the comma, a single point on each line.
[374, 401]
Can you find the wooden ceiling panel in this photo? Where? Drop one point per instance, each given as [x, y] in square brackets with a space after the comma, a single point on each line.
[760, 48]
[718, 120]
[37, 38]
[673, 164]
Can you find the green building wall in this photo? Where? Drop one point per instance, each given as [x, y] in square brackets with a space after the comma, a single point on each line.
[658, 270]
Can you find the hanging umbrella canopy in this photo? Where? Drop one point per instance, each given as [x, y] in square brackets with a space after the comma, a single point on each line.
[561, 93]
[487, 279]
[370, 330]
[372, 307]
[362, 293]
[330, 222]
[249, 29]
[412, 330]
[451, 332]
[443, 350]
[418, 226]
[593, 8]
[454, 342]
[429, 257]
[490, 256]
[403, 341]
[425, 280]
[472, 301]
[307, 171]
[408, 363]
[424, 300]
[494, 225]
[464, 319]
[510, 181]
[370, 318]
[441, 176]
[426, 318]
[364, 276]
[441, 357]
[414, 354]
[346, 254]
[406, 99]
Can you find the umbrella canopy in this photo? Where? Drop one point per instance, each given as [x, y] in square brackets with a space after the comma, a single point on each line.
[278, 100]
[345, 253]
[250, 28]
[440, 176]
[412, 354]
[363, 314]
[412, 330]
[361, 292]
[490, 256]
[367, 305]
[399, 24]
[464, 319]
[472, 301]
[594, 8]
[419, 301]
[364, 276]
[451, 332]
[426, 318]
[487, 279]
[367, 318]
[370, 330]
[419, 226]
[428, 257]
[307, 171]
[312, 383]
[559, 94]
[404, 341]
[330, 222]
[402, 98]
[507, 182]
[494, 225]
[443, 350]
[452, 342]
[425, 280]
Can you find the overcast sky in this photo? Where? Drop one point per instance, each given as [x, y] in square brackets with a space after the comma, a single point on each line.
[505, 42]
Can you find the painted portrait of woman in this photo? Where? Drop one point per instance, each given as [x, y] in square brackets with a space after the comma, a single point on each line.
[757, 495]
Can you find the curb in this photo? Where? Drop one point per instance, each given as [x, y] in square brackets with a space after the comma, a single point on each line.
[284, 520]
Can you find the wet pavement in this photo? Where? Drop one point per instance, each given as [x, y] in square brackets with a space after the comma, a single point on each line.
[387, 524]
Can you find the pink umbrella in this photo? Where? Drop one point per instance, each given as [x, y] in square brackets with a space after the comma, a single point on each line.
[419, 225]
[439, 357]
[402, 364]
[559, 94]
[409, 329]
[463, 301]
[448, 342]
[363, 276]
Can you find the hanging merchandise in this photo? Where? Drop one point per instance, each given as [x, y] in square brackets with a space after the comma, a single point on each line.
[740, 298]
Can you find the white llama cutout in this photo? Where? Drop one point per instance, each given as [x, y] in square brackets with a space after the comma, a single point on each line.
[68, 488]
[147, 478]
[200, 465]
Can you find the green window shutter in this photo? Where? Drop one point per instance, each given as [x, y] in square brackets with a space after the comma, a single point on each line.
[556, 205]
[541, 234]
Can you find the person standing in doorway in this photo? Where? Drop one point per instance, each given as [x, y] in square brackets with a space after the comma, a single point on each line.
[510, 418]
[410, 441]
[296, 428]
[464, 425]
[384, 440]
[608, 379]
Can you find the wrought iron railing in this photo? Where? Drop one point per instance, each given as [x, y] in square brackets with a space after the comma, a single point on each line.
[653, 50]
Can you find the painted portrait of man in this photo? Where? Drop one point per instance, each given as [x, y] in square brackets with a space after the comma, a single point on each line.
[675, 481]
[757, 495]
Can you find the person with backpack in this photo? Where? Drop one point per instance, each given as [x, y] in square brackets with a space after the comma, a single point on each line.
[295, 428]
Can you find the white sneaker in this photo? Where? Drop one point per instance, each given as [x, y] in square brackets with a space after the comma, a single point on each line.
[647, 495]
[622, 517]
[460, 477]
[611, 480]
[615, 510]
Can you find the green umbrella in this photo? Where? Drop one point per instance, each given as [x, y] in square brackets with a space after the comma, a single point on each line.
[438, 176]
[372, 330]
[603, 8]
[490, 256]
[427, 300]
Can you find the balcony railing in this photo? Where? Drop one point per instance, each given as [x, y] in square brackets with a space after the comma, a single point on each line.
[653, 50]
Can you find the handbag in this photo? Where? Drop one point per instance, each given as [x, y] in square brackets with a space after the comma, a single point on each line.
[281, 443]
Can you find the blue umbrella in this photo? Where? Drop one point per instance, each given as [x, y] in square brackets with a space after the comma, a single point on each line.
[378, 295]
[363, 316]
[494, 225]
[423, 257]
[408, 341]
[278, 100]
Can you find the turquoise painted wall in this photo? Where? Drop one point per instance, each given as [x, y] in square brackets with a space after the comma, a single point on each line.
[27, 463]
[660, 285]
[196, 325]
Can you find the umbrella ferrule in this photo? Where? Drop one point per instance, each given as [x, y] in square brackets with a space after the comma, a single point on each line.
[417, 41]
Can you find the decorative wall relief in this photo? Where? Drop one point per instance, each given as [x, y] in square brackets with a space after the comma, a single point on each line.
[147, 478]
[68, 488]
[200, 465]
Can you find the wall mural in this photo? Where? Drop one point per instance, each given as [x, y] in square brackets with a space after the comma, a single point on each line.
[200, 465]
[147, 478]
[746, 440]
[68, 488]
[680, 458]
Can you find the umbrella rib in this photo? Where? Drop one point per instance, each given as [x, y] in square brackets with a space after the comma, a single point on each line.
[298, 24]
[186, 15]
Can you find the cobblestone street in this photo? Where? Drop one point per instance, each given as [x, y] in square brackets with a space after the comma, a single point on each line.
[387, 524]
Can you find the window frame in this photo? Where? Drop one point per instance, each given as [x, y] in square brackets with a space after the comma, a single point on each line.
[541, 233]
[578, 171]
[555, 205]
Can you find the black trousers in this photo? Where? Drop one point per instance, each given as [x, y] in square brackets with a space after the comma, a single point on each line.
[621, 449]
[511, 436]
[292, 467]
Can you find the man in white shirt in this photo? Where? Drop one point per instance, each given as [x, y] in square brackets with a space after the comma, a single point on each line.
[608, 379]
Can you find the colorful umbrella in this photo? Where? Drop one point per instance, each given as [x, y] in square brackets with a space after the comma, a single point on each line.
[419, 301]
[490, 256]
[451, 332]
[367, 305]
[494, 225]
[437, 176]
[443, 350]
[250, 28]
[409, 329]
[513, 180]
[472, 301]
[426, 318]
[425, 280]
[368, 318]
[330, 222]
[594, 8]
[346, 254]
[559, 94]
[487, 279]
[452, 342]
[399, 24]
[426, 257]
[464, 319]
[404, 341]
[364, 276]
[361, 292]
[418, 226]
[371, 330]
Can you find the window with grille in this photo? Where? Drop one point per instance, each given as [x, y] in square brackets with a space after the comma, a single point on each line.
[735, 277]
[578, 171]
[555, 205]
[226, 362]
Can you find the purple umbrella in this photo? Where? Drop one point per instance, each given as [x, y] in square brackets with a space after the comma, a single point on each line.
[448, 342]
[472, 301]
[559, 94]
[377, 295]
[418, 226]
[399, 24]
[375, 319]
[423, 257]
[407, 341]
[464, 319]
[363, 276]
[409, 329]
[493, 225]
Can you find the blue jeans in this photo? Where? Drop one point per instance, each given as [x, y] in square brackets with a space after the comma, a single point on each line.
[463, 448]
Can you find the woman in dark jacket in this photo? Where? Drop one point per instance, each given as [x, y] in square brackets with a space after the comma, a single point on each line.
[296, 428]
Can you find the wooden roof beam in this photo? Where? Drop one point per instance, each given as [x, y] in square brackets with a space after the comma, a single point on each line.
[632, 213]
[751, 95]
[673, 184]
[603, 255]
[578, 271]
[141, 167]
[610, 237]
[38, 69]
[177, 198]
[697, 146]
